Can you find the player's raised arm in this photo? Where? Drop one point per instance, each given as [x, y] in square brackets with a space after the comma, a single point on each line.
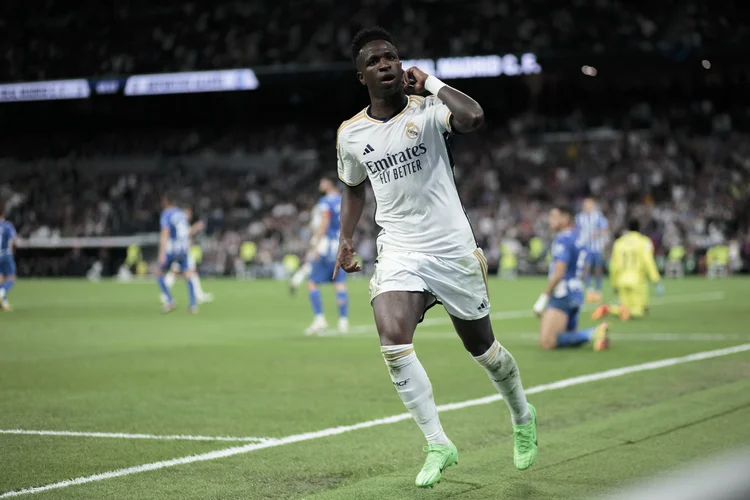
[468, 115]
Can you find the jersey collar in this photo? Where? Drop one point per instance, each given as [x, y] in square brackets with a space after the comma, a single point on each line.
[381, 120]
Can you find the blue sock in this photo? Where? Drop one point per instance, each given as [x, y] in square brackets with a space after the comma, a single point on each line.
[316, 301]
[598, 283]
[343, 300]
[574, 339]
[191, 293]
[164, 288]
[7, 285]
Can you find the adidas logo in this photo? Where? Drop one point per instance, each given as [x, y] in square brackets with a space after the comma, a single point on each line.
[368, 149]
[483, 306]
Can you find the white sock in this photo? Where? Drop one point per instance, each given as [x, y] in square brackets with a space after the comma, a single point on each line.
[197, 285]
[169, 279]
[503, 371]
[415, 390]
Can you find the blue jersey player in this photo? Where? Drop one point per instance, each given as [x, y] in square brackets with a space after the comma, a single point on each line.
[325, 245]
[174, 247]
[558, 307]
[593, 228]
[7, 263]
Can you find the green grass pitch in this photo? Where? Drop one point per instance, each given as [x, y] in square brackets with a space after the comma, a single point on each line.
[98, 357]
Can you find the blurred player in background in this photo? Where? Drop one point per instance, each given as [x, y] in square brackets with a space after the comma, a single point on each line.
[174, 247]
[324, 246]
[200, 296]
[559, 305]
[593, 228]
[630, 269]
[7, 262]
[427, 252]
[303, 272]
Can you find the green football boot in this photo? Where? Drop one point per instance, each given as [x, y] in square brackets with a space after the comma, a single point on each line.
[525, 444]
[439, 458]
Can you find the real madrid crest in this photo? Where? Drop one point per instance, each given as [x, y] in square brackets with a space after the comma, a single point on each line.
[412, 131]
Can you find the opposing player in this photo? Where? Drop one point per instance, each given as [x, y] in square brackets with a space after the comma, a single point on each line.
[174, 247]
[7, 262]
[594, 230]
[201, 297]
[301, 275]
[324, 245]
[631, 268]
[560, 303]
[427, 253]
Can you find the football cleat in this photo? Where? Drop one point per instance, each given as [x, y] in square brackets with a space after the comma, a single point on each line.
[525, 442]
[600, 312]
[318, 325]
[343, 325]
[439, 458]
[624, 313]
[600, 340]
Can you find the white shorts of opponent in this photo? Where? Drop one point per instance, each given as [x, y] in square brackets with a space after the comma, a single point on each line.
[459, 284]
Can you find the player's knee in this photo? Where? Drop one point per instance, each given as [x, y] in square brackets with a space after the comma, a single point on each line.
[340, 287]
[312, 286]
[395, 331]
[547, 343]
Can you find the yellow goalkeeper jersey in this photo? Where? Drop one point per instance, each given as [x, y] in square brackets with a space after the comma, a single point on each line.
[632, 261]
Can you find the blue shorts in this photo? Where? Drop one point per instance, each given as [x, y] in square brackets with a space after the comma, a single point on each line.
[322, 271]
[7, 265]
[570, 305]
[180, 258]
[594, 259]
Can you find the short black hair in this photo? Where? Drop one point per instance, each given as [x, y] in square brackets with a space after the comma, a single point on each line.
[367, 35]
[634, 225]
[564, 209]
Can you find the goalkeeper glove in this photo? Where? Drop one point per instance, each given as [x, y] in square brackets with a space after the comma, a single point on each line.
[660, 289]
[541, 304]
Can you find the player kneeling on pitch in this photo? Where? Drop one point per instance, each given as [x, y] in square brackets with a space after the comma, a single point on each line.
[560, 304]
[427, 253]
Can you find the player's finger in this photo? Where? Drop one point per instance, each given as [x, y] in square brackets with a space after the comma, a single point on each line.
[336, 269]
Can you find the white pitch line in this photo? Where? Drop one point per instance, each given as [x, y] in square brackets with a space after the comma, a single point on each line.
[120, 435]
[334, 431]
[687, 298]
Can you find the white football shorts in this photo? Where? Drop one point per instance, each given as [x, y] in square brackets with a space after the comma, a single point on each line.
[459, 284]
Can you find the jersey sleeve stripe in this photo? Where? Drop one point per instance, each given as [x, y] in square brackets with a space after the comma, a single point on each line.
[356, 183]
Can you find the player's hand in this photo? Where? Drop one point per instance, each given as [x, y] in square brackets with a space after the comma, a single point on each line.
[660, 289]
[199, 226]
[541, 304]
[417, 76]
[345, 258]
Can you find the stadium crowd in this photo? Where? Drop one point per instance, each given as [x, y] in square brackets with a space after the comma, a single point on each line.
[687, 190]
[140, 36]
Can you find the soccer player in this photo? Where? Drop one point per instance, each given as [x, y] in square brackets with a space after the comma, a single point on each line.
[324, 246]
[427, 253]
[300, 276]
[631, 267]
[174, 247]
[7, 263]
[594, 230]
[558, 306]
[201, 297]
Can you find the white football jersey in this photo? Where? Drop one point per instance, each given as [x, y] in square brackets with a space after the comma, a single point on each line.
[411, 171]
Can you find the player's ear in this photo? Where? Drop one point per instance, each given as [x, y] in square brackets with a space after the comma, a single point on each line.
[361, 78]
